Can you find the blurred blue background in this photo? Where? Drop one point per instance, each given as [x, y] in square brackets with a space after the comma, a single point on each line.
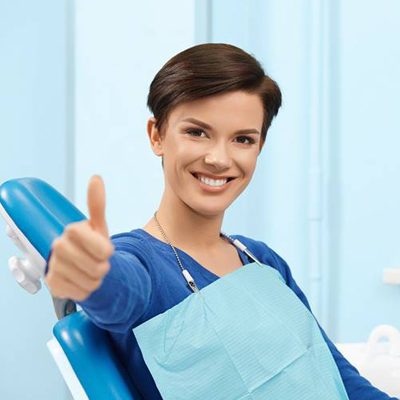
[74, 77]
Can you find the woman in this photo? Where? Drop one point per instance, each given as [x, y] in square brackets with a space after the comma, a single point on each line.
[168, 292]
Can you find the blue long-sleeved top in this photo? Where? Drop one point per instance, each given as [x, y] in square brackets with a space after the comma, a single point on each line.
[145, 280]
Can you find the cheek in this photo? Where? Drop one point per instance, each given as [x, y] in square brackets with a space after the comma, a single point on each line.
[248, 162]
[177, 158]
[183, 153]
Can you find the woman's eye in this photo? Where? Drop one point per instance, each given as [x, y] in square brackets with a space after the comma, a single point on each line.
[245, 140]
[195, 132]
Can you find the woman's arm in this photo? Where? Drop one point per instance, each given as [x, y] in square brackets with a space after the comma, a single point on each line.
[101, 274]
[124, 294]
[357, 387]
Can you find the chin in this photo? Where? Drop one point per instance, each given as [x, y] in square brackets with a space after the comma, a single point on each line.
[209, 212]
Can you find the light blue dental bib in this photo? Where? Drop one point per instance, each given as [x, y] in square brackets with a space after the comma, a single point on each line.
[244, 336]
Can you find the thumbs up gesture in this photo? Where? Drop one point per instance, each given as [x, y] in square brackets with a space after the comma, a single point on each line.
[79, 258]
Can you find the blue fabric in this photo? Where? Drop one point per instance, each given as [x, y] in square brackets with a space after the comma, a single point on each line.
[145, 280]
[244, 336]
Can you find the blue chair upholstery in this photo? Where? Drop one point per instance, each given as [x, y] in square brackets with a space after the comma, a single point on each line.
[91, 355]
[39, 214]
[38, 210]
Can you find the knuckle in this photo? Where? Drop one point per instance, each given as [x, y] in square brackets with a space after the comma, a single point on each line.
[81, 295]
[94, 285]
[97, 272]
[78, 297]
[57, 245]
[57, 291]
[49, 279]
[50, 265]
[108, 249]
[105, 247]
[55, 266]
[61, 246]
[58, 294]
[52, 282]
[72, 230]
[102, 269]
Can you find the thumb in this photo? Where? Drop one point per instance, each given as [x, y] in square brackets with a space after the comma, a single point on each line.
[96, 201]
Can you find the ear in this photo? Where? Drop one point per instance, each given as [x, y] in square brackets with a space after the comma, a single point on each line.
[155, 137]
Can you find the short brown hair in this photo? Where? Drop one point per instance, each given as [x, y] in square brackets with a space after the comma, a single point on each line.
[208, 69]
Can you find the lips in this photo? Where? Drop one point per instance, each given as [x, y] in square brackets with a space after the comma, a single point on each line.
[215, 177]
[212, 183]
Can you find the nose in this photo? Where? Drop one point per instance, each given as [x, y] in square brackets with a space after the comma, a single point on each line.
[218, 157]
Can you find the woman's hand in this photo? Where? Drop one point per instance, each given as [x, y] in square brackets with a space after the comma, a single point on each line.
[79, 258]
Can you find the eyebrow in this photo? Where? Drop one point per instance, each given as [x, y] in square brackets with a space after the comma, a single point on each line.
[206, 126]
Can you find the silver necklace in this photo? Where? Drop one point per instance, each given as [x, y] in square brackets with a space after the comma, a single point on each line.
[190, 281]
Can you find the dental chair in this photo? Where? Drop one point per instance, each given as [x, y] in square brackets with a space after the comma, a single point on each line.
[36, 214]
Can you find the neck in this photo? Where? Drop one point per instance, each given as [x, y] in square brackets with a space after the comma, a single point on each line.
[184, 227]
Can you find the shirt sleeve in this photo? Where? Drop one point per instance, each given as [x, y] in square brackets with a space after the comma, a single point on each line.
[124, 294]
[356, 386]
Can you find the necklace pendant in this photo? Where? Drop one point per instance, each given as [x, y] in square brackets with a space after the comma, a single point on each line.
[190, 280]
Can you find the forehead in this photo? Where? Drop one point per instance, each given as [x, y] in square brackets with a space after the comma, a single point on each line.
[235, 109]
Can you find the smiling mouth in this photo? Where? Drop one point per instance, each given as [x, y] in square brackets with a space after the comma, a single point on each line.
[211, 181]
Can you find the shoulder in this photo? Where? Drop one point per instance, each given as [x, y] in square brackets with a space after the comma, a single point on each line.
[133, 242]
[266, 255]
[269, 257]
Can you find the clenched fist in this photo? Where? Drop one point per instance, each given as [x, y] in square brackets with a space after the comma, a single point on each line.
[79, 258]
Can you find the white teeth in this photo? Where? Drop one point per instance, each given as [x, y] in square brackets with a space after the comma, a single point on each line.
[212, 182]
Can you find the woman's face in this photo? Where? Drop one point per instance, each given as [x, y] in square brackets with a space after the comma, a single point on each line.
[210, 148]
